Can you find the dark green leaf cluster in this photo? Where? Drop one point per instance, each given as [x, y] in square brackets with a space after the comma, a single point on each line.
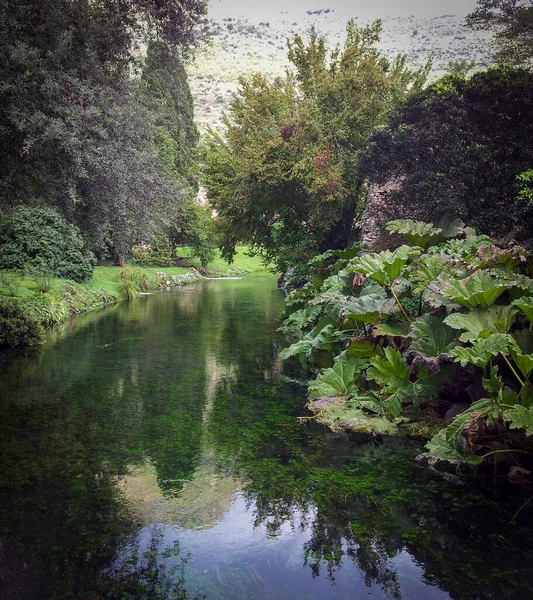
[76, 129]
[461, 147]
[41, 239]
[17, 327]
[393, 332]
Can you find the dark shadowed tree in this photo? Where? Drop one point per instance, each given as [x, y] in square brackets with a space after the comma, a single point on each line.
[458, 148]
[73, 132]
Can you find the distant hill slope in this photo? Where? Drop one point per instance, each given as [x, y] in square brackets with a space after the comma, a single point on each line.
[237, 46]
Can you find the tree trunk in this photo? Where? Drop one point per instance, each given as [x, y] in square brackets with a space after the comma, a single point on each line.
[119, 260]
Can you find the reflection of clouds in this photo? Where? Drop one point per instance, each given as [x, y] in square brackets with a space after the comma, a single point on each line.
[201, 503]
[237, 559]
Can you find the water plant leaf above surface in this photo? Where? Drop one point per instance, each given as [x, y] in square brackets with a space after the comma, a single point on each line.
[338, 380]
[482, 323]
[432, 337]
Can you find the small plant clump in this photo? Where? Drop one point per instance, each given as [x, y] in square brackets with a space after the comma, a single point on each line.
[398, 337]
[132, 281]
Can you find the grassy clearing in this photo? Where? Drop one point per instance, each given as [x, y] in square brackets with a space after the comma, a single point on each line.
[243, 264]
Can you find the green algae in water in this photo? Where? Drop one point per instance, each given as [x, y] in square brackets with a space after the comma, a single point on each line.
[155, 452]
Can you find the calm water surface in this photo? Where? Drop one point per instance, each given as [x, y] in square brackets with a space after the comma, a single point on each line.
[153, 451]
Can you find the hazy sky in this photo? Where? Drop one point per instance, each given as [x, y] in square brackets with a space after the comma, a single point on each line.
[364, 9]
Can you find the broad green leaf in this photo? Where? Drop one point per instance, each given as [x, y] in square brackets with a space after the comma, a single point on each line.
[432, 337]
[363, 349]
[526, 395]
[453, 228]
[391, 370]
[416, 233]
[350, 253]
[525, 304]
[479, 289]
[524, 340]
[340, 379]
[494, 384]
[392, 374]
[482, 323]
[315, 339]
[523, 361]
[449, 444]
[355, 419]
[386, 266]
[368, 309]
[397, 329]
[482, 350]
[428, 269]
[302, 318]
[520, 417]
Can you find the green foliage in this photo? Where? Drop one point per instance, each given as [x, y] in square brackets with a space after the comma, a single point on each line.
[158, 253]
[339, 380]
[131, 282]
[40, 238]
[75, 130]
[511, 21]
[285, 175]
[388, 366]
[198, 231]
[385, 267]
[479, 133]
[17, 327]
[478, 289]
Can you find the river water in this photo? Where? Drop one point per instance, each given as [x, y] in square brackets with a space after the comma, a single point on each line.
[154, 451]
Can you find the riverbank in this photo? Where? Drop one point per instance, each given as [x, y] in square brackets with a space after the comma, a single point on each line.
[30, 303]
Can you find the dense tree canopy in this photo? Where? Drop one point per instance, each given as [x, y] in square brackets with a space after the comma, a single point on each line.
[458, 148]
[512, 24]
[73, 130]
[285, 175]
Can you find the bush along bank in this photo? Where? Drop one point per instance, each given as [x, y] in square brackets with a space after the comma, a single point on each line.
[433, 336]
[30, 303]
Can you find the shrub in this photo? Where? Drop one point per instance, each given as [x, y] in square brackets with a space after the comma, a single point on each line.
[158, 253]
[461, 147]
[40, 238]
[18, 328]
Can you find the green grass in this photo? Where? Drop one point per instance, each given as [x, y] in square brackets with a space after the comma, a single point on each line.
[243, 264]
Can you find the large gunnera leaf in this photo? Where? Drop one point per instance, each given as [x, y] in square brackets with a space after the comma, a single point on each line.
[368, 309]
[339, 380]
[386, 266]
[482, 323]
[525, 304]
[479, 289]
[356, 419]
[314, 340]
[520, 417]
[431, 337]
[482, 350]
[416, 233]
